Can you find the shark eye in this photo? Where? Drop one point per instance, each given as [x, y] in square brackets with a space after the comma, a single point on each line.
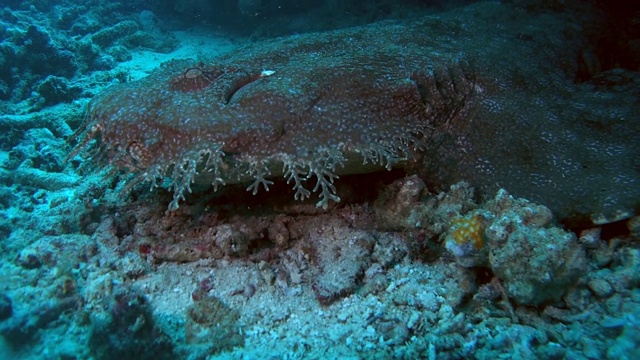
[139, 154]
[193, 73]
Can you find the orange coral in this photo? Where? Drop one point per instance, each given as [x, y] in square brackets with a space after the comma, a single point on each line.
[468, 230]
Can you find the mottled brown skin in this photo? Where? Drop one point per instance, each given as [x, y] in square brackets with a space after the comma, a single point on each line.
[487, 102]
[315, 111]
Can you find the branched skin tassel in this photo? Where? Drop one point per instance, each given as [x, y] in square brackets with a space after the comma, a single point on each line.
[308, 118]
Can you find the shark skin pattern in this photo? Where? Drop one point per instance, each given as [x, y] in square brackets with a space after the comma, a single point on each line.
[451, 97]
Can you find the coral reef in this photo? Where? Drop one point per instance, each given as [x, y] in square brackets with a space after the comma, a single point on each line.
[409, 264]
[536, 261]
[47, 47]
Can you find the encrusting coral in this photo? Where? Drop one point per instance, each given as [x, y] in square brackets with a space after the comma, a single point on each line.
[466, 234]
[517, 239]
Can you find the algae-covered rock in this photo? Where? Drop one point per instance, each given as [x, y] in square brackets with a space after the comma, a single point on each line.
[212, 326]
[536, 261]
